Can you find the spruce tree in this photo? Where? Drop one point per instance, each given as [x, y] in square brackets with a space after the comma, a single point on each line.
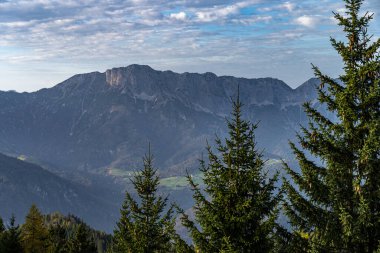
[57, 239]
[10, 239]
[237, 210]
[144, 225]
[2, 230]
[82, 241]
[34, 233]
[334, 203]
[2, 227]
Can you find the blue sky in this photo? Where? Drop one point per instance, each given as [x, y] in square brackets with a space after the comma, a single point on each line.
[43, 42]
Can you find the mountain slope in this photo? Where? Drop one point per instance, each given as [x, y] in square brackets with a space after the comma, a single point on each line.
[98, 121]
[23, 184]
[94, 128]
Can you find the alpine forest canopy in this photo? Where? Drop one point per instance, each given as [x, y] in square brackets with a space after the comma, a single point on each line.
[237, 210]
[334, 205]
[52, 233]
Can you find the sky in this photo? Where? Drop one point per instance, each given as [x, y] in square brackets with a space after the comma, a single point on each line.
[44, 42]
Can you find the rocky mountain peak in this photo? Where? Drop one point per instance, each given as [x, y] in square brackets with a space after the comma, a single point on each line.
[123, 75]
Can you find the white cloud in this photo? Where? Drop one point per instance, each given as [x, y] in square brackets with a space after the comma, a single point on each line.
[179, 16]
[252, 20]
[341, 11]
[218, 13]
[18, 24]
[307, 21]
[289, 6]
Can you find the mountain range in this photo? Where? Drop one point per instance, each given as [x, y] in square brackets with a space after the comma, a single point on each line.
[91, 130]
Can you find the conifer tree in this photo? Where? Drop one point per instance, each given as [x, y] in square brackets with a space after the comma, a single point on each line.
[237, 210]
[10, 239]
[33, 232]
[144, 225]
[335, 204]
[82, 242]
[2, 230]
[57, 239]
[2, 227]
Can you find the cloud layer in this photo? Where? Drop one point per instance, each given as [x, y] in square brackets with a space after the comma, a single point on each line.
[44, 41]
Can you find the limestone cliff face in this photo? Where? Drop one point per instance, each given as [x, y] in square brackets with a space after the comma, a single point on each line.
[100, 120]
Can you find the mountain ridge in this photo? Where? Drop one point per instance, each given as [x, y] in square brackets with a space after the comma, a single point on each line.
[147, 67]
[92, 130]
[87, 106]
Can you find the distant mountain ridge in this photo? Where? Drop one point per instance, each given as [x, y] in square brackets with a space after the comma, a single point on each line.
[98, 120]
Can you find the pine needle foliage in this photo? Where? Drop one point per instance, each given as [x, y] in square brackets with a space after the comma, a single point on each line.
[145, 226]
[82, 241]
[334, 205]
[237, 210]
[2, 227]
[10, 241]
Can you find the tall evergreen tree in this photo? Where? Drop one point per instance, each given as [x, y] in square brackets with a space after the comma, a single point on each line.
[82, 241]
[34, 233]
[145, 226]
[11, 239]
[335, 204]
[2, 227]
[57, 239]
[238, 208]
[2, 230]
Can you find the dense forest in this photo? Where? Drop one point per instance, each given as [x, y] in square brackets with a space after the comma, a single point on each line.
[332, 203]
[51, 233]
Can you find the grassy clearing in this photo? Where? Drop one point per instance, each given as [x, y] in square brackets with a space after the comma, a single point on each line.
[22, 157]
[125, 174]
[176, 182]
[180, 182]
